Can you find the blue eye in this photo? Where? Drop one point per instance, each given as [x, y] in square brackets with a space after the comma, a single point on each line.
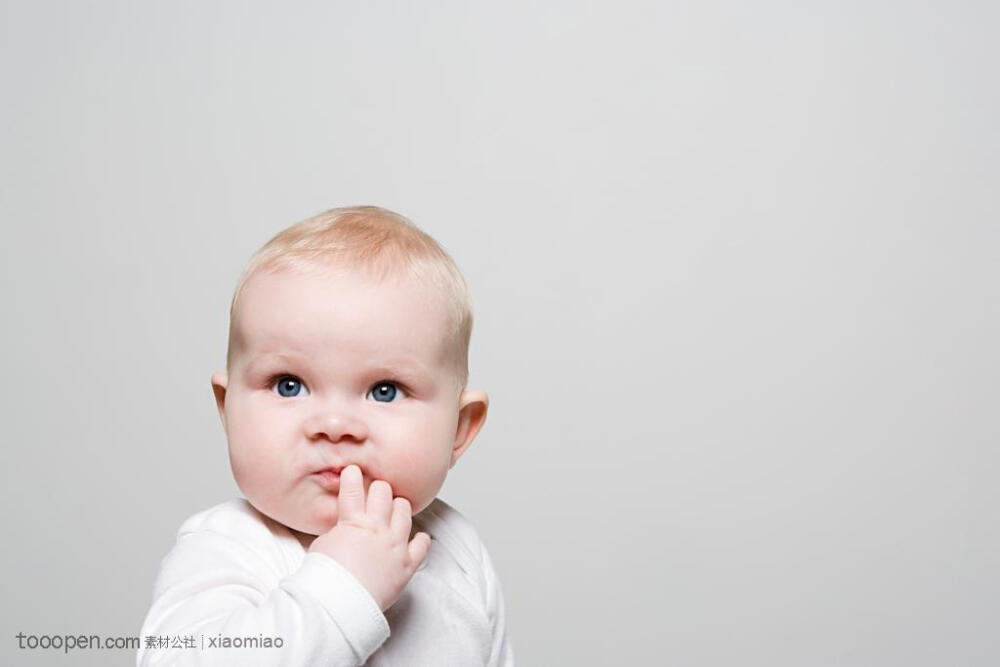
[384, 392]
[288, 385]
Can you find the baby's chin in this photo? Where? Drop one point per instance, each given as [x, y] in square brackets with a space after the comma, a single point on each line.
[306, 521]
[316, 521]
[311, 518]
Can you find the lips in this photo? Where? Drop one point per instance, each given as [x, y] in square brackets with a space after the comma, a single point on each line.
[328, 478]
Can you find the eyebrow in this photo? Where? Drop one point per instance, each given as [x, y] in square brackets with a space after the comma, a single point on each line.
[405, 368]
[274, 357]
[408, 373]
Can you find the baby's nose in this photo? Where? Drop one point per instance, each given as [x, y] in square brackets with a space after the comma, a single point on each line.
[336, 425]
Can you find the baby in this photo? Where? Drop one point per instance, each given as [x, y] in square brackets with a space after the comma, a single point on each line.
[344, 405]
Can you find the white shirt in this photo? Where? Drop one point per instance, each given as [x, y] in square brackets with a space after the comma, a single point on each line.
[237, 583]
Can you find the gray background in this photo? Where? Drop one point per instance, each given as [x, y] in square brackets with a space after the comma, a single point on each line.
[735, 275]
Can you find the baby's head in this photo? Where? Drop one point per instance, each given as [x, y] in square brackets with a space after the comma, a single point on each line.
[348, 343]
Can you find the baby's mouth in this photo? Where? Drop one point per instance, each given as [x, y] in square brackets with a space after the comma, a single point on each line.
[329, 479]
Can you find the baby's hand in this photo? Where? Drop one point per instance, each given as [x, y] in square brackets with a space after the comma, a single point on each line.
[371, 540]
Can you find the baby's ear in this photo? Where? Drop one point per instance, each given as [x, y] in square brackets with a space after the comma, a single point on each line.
[472, 408]
[220, 381]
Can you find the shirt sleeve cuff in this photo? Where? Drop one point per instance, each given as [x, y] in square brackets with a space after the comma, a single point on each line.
[349, 604]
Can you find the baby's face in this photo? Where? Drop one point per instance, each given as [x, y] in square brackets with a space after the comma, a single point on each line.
[335, 369]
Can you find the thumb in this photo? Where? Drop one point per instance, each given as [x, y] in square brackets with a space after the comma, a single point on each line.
[419, 546]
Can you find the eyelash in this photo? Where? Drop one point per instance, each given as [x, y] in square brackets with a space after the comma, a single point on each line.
[277, 376]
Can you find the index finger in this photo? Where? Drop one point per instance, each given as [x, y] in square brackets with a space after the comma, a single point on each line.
[351, 498]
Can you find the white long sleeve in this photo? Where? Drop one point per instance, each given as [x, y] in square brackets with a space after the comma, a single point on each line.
[235, 574]
[223, 579]
[500, 651]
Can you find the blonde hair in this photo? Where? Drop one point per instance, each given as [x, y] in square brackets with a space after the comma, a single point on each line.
[378, 242]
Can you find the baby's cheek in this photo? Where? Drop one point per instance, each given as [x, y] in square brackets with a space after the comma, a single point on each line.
[248, 468]
[242, 467]
[414, 460]
[423, 482]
